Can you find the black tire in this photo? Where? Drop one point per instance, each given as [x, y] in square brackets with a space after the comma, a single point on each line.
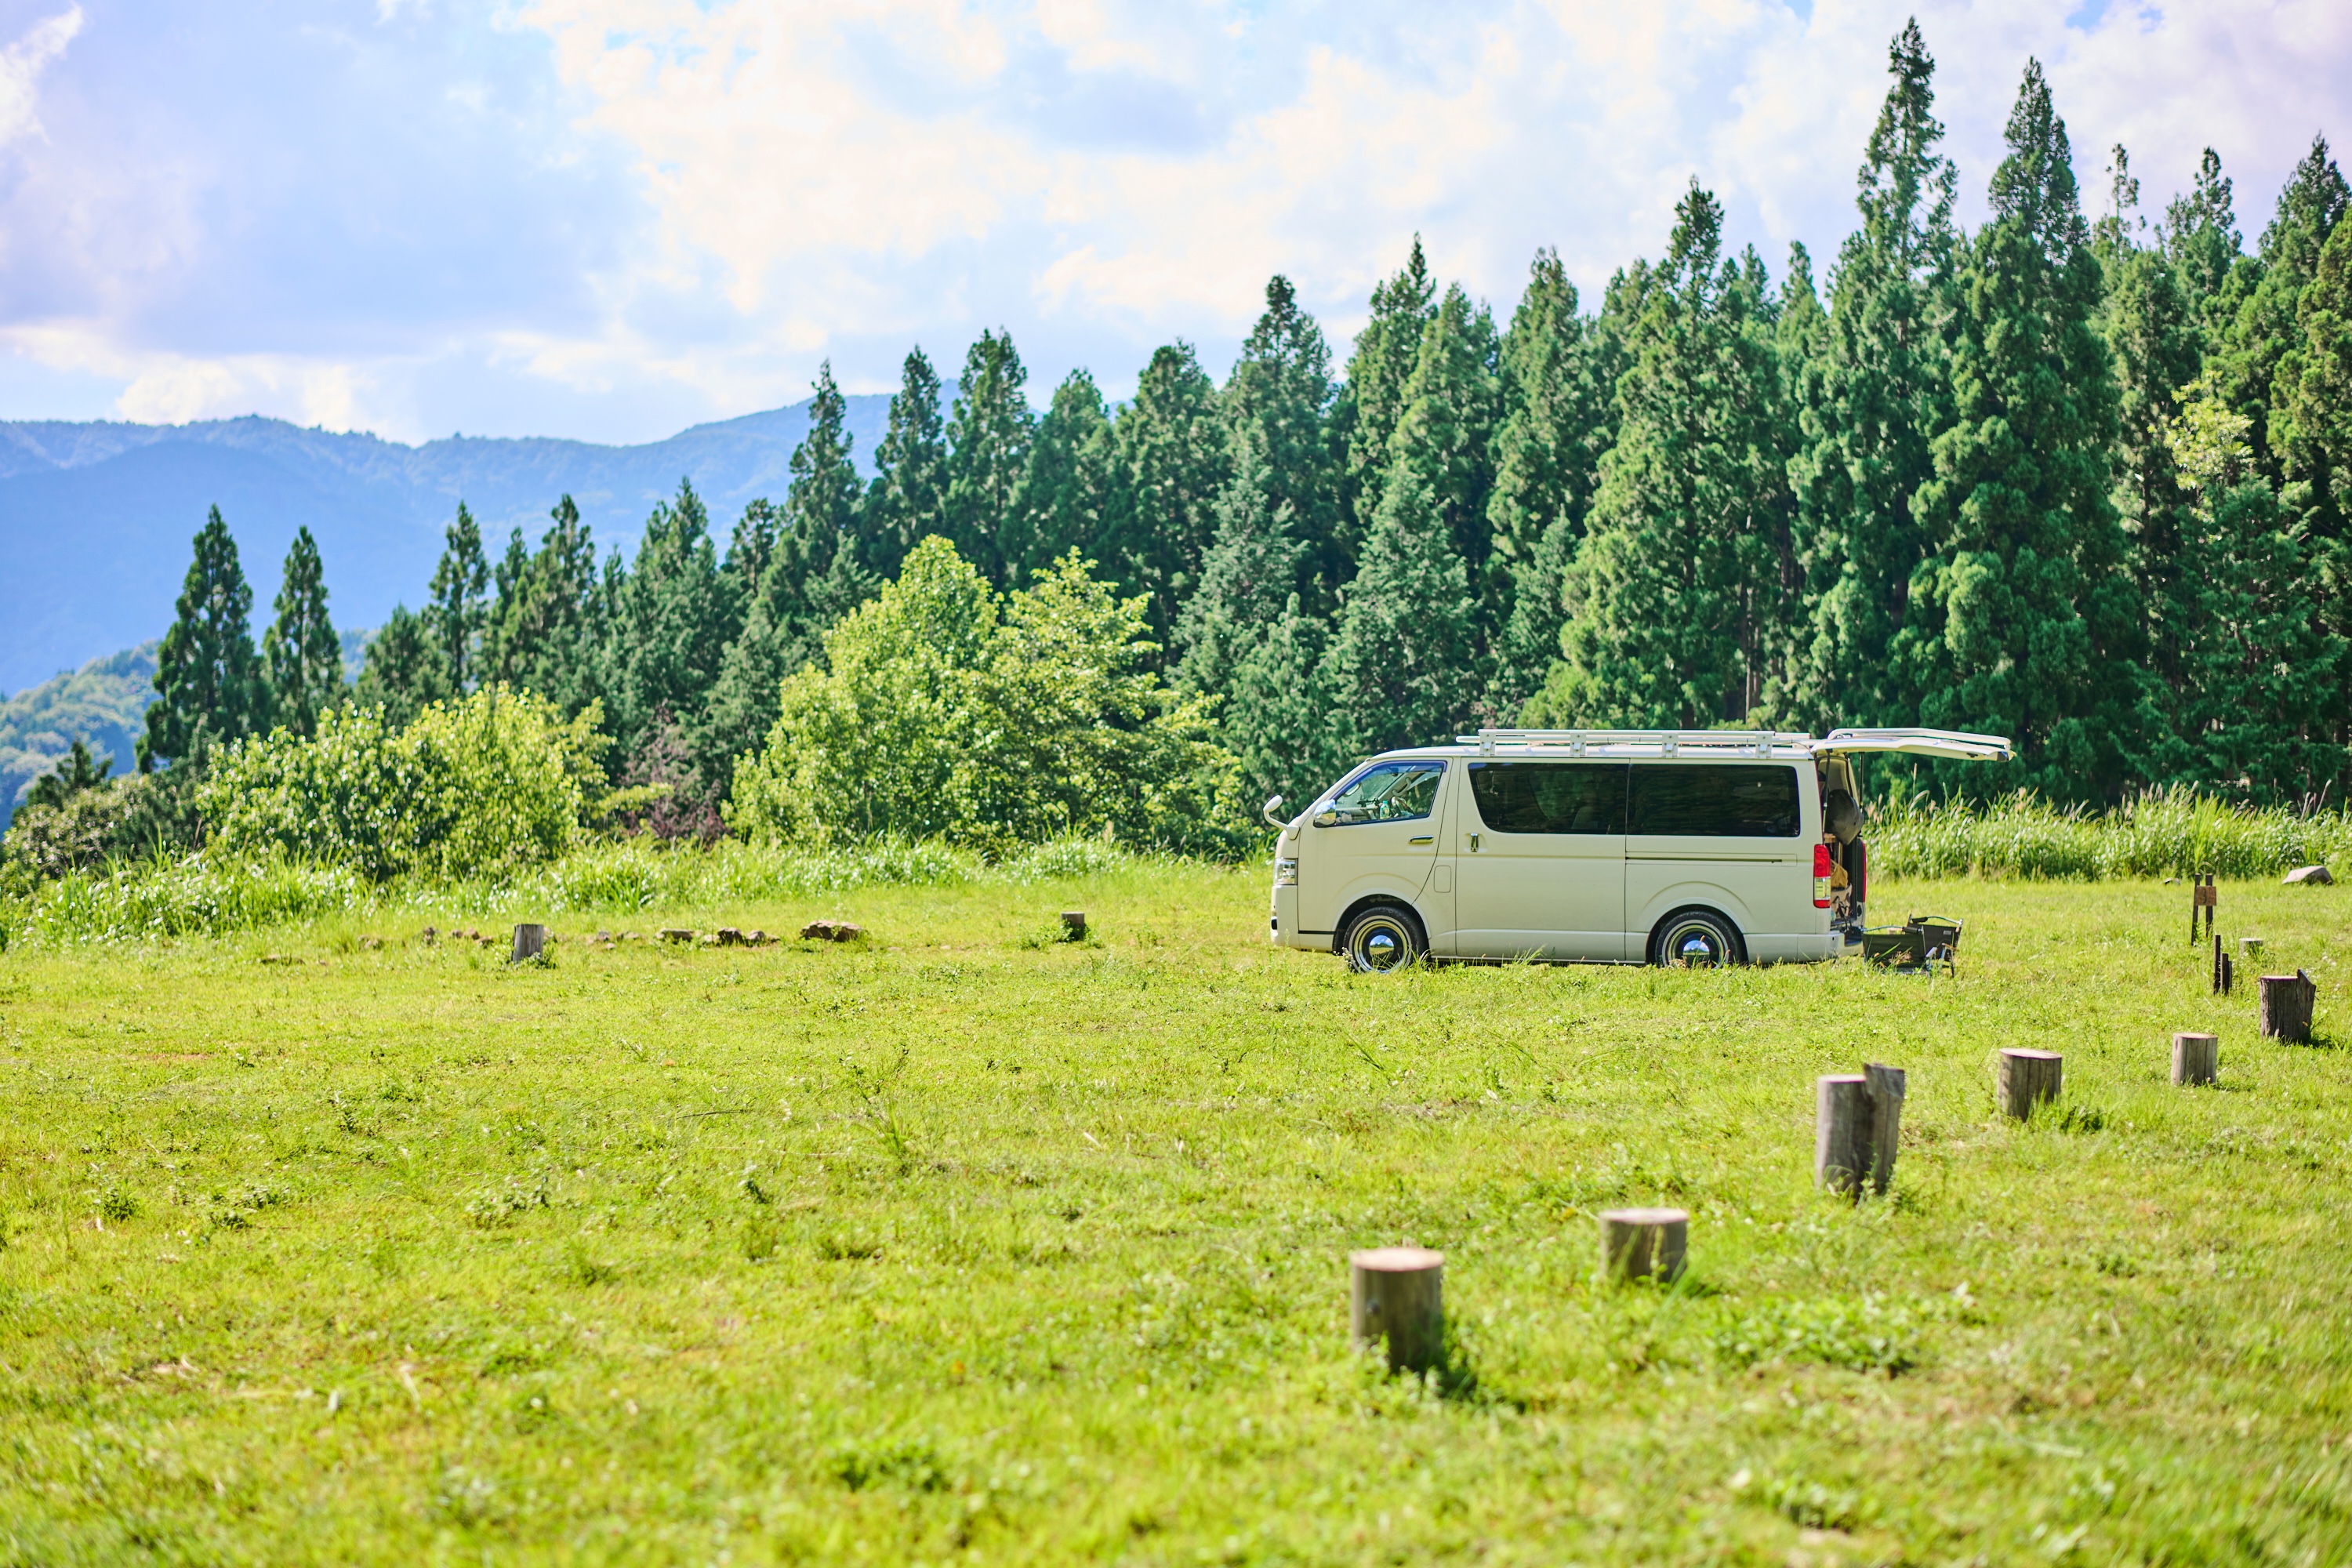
[1382, 939]
[1696, 939]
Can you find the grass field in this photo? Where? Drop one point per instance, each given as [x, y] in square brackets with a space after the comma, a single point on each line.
[960, 1243]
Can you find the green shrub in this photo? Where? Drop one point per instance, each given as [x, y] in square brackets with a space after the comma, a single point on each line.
[477, 786]
[944, 710]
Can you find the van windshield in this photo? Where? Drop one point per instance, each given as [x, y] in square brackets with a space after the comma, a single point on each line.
[1393, 792]
[1714, 800]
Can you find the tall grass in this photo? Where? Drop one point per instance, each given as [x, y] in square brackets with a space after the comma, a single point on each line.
[2166, 833]
[204, 895]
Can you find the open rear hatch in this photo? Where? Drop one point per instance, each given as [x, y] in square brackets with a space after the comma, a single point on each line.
[1947, 743]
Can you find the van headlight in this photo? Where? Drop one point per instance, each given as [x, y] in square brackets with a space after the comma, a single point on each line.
[1286, 873]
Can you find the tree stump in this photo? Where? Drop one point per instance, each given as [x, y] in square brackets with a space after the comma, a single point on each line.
[1397, 1294]
[1074, 925]
[2196, 1058]
[2307, 877]
[1887, 1087]
[1857, 1127]
[1840, 1131]
[676, 933]
[530, 942]
[2286, 1006]
[2250, 948]
[1644, 1244]
[2029, 1078]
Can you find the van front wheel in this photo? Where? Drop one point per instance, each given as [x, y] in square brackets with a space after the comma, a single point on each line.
[1382, 940]
[1695, 939]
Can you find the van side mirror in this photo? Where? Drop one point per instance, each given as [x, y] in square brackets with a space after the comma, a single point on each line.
[1327, 818]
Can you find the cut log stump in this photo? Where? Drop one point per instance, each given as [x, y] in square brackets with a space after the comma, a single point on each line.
[1644, 1244]
[530, 942]
[2196, 1058]
[1397, 1294]
[1840, 1131]
[1074, 925]
[2029, 1078]
[2284, 1007]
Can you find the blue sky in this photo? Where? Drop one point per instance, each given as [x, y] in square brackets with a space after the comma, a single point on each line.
[613, 219]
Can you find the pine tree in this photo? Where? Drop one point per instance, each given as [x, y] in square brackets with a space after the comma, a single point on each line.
[303, 656]
[1872, 399]
[907, 502]
[1402, 669]
[544, 625]
[1168, 463]
[405, 670]
[1282, 386]
[1446, 433]
[1542, 472]
[1677, 598]
[989, 432]
[2255, 679]
[1249, 575]
[509, 581]
[1066, 493]
[2311, 414]
[2200, 238]
[2023, 622]
[459, 607]
[1373, 399]
[2268, 326]
[674, 613]
[213, 689]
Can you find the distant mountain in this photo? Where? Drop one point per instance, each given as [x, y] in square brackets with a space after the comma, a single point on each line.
[104, 703]
[96, 519]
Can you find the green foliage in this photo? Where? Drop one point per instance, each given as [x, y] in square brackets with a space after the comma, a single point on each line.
[104, 703]
[406, 670]
[1066, 495]
[214, 691]
[907, 502]
[2022, 622]
[481, 786]
[989, 432]
[673, 616]
[1168, 463]
[1281, 385]
[1873, 398]
[300, 652]
[78, 773]
[458, 614]
[546, 623]
[943, 709]
[2160, 834]
[1677, 597]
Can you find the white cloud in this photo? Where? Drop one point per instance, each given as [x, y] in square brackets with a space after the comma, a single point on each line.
[21, 64]
[758, 184]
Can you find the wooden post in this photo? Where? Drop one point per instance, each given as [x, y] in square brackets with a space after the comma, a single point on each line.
[1398, 1293]
[2204, 902]
[2029, 1078]
[2195, 1058]
[1644, 1244]
[1886, 1086]
[2225, 972]
[1074, 925]
[2286, 1006]
[1840, 1131]
[530, 942]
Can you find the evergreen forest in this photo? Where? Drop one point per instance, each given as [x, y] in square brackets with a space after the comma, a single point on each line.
[2080, 478]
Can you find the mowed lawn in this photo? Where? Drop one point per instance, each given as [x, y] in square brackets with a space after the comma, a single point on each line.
[960, 1243]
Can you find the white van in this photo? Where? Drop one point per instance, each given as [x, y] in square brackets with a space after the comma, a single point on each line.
[1592, 845]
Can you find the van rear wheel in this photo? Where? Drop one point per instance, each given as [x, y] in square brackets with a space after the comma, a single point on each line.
[1696, 939]
[1382, 940]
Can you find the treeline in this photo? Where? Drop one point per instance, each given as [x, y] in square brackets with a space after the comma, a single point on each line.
[2078, 478]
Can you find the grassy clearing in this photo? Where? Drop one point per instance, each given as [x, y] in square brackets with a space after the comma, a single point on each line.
[964, 1244]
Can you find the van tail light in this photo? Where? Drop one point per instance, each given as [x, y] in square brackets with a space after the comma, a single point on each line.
[1821, 875]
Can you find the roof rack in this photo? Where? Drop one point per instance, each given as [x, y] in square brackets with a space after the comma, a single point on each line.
[1648, 743]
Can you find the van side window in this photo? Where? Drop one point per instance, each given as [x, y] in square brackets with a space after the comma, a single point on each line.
[1714, 800]
[1550, 797]
[1393, 792]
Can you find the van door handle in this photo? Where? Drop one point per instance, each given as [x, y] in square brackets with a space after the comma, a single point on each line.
[1424, 838]
[1474, 844]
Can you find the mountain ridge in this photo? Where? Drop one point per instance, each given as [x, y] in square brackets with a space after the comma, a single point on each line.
[96, 516]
